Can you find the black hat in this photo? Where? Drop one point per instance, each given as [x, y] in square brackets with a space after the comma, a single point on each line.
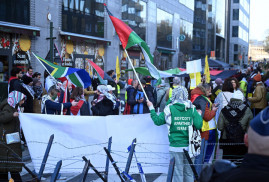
[26, 79]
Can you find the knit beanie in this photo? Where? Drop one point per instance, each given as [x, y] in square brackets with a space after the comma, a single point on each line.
[258, 133]
[258, 78]
[218, 81]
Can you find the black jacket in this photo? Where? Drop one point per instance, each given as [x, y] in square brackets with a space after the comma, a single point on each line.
[253, 168]
[15, 84]
[29, 102]
[103, 108]
[132, 101]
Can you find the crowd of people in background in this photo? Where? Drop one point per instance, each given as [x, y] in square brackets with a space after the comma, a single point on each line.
[220, 109]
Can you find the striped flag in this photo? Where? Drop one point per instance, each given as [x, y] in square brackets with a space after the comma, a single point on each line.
[78, 77]
[129, 38]
[102, 76]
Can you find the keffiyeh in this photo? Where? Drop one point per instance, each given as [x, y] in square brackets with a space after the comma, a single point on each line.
[14, 98]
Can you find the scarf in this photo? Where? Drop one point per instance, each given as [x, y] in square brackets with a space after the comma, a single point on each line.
[138, 96]
[235, 110]
[14, 98]
[179, 95]
[38, 91]
[29, 89]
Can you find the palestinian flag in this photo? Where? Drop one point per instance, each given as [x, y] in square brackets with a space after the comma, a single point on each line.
[129, 38]
[102, 76]
[78, 77]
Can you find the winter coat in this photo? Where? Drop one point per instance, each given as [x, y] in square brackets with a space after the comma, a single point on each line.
[243, 86]
[54, 107]
[253, 168]
[201, 103]
[9, 124]
[61, 98]
[161, 102]
[37, 102]
[181, 117]
[103, 108]
[29, 102]
[244, 121]
[82, 109]
[150, 89]
[133, 102]
[258, 100]
[15, 84]
[222, 99]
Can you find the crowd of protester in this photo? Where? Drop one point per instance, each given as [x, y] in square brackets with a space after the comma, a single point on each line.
[221, 110]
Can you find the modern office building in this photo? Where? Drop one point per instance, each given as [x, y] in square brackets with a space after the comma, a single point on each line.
[238, 32]
[209, 29]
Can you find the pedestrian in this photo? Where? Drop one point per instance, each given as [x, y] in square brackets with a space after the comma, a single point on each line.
[39, 92]
[235, 83]
[65, 93]
[14, 82]
[244, 84]
[258, 101]
[217, 89]
[176, 83]
[255, 165]
[29, 72]
[10, 124]
[27, 89]
[104, 103]
[161, 93]
[150, 89]
[181, 112]
[81, 109]
[233, 123]
[129, 92]
[52, 107]
[200, 98]
[138, 101]
[224, 96]
[112, 81]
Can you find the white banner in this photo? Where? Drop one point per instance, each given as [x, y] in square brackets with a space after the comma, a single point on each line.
[77, 136]
[194, 66]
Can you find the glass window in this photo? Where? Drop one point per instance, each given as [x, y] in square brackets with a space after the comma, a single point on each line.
[220, 18]
[164, 28]
[134, 14]
[186, 28]
[236, 1]
[235, 31]
[235, 14]
[235, 47]
[188, 3]
[235, 57]
[88, 19]
[15, 11]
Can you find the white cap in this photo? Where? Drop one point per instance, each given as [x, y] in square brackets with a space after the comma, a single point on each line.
[109, 88]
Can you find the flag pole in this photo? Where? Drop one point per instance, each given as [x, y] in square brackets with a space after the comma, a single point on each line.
[136, 75]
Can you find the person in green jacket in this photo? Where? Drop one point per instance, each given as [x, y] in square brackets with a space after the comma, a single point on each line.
[178, 116]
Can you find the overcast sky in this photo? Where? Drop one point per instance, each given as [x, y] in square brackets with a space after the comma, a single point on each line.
[259, 23]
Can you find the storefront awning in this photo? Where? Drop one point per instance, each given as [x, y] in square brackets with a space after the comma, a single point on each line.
[166, 50]
[19, 28]
[92, 39]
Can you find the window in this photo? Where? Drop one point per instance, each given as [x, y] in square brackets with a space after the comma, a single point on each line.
[164, 28]
[235, 31]
[235, 57]
[236, 1]
[134, 14]
[15, 11]
[83, 17]
[235, 47]
[235, 14]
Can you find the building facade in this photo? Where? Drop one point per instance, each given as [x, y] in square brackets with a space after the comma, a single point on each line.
[238, 32]
[256, 51]
[82, 31]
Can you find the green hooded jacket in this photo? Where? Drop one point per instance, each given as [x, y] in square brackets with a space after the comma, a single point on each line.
[177, 124]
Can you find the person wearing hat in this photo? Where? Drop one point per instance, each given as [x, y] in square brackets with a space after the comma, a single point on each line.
[255, 165]
[178, 116]
[9, 113]
[217, 89]
[258, 101]
[238, 114]
[27, 89]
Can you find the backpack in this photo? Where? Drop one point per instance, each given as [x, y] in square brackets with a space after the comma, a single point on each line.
[234, 132]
